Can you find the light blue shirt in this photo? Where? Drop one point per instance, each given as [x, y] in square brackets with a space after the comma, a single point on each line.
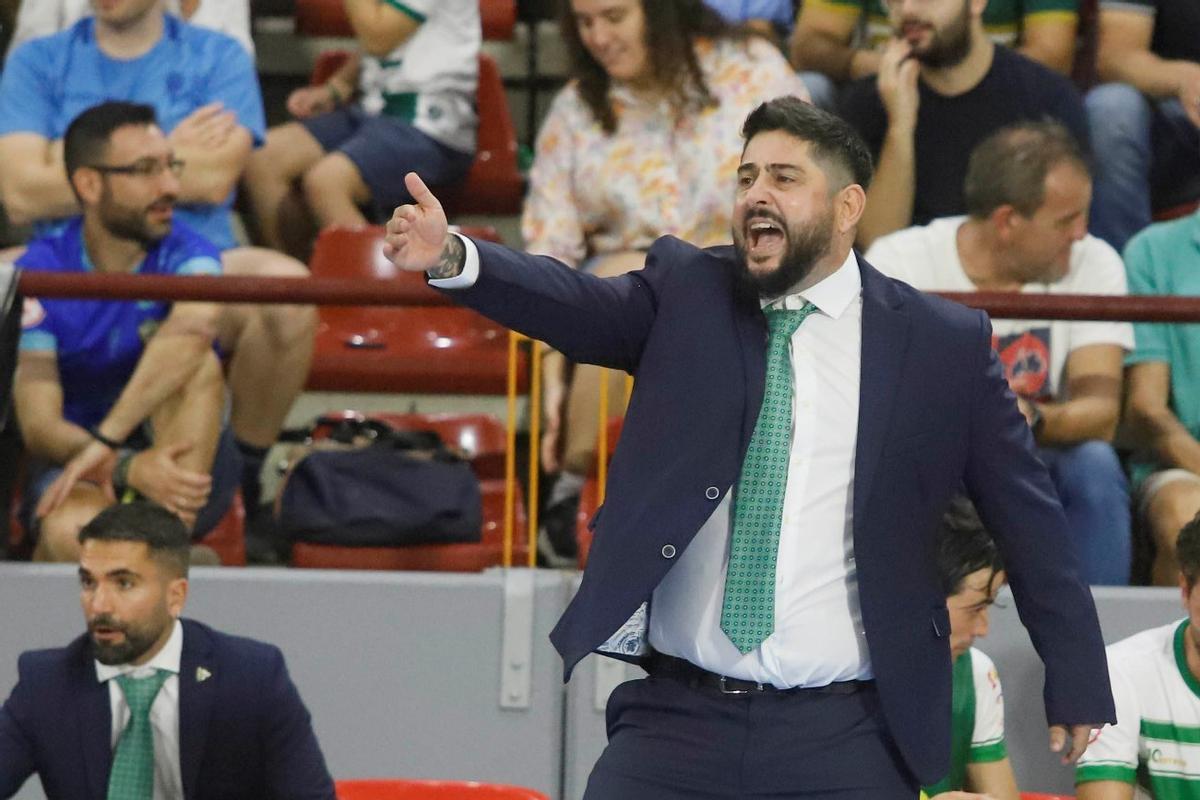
[47, 82]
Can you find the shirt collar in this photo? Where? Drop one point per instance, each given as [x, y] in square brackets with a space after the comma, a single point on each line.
[166, 659]
[832, 295]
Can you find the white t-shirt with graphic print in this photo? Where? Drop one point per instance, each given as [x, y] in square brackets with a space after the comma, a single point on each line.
[1034, 352]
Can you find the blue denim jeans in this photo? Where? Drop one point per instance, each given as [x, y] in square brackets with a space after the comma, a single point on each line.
[1140, 147]
[822, 89]
[1095, 494]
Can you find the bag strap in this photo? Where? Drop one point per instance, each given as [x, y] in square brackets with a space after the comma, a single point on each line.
[346, 430]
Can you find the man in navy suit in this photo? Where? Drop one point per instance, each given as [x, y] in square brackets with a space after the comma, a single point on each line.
[146, 705]
[766, 549]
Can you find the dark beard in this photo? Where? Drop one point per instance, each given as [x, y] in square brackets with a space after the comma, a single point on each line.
[136, 643]
[805, 248]
[951, 46]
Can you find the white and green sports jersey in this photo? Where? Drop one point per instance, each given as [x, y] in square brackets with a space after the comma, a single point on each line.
[1155, 744]
[429, 81]
[977, 720]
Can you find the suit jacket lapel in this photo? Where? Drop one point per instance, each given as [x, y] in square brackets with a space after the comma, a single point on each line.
[95, 724]
[884, 340]
[752, 336]
[197, 695]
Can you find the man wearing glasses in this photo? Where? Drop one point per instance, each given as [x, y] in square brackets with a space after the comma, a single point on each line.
[121, 399]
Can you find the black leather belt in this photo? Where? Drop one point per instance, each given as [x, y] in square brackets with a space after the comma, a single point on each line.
[686, 672]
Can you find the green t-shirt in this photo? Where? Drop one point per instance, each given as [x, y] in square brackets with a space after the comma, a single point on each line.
[1004, 20]
[977, 721]
[1165, 259]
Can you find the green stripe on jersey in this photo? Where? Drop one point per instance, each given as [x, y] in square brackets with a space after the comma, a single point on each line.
[984, 753]
[401, 7]
[1170, 732]
[1105, 772]
[1181, 658]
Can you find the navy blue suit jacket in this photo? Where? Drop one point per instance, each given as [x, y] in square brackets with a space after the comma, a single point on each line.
[244, 732]
[935, 414]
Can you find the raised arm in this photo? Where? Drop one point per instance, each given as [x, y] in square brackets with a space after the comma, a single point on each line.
[890, 197]
[214, 148]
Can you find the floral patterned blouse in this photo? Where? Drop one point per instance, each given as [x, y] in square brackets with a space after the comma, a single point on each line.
[594, 194]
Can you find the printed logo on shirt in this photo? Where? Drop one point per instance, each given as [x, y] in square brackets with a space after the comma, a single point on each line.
[32, 313]
[1026, 360]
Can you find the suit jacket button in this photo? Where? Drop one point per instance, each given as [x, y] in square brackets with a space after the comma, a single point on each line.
[712, 493]
[668, 551]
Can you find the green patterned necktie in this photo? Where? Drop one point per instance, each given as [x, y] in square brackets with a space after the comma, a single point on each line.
[132, 776]
[748, 612]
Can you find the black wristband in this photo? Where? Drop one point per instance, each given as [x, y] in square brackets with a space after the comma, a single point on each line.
[111, 444]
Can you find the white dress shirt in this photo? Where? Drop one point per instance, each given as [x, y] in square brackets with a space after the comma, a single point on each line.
[164, 712]
[818, 636]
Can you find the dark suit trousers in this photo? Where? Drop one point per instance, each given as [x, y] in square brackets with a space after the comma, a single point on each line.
[669, 740]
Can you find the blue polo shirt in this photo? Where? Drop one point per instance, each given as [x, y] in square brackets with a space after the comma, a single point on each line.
[49, 81]
[98, 342]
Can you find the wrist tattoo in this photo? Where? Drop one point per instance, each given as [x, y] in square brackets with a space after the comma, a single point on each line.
[450, 262]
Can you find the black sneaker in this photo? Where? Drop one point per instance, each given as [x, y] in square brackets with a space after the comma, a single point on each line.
[556, 543]
[265, 545]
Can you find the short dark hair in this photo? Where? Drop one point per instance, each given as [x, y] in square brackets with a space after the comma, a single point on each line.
[964, 546]
[144, 521]
[1187, 551]
[1009, 168]
[86, 140]
[833, 141]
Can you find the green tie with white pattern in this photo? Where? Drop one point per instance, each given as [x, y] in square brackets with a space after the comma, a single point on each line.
[132, 776]
[748, 611]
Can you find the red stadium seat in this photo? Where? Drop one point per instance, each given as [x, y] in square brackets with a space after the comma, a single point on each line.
[438, 349]
[432, 790]
[328, 18]
[494, 185]
[589, 496]
[483, 438]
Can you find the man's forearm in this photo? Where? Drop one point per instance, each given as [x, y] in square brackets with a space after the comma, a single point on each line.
[1079, 420]
[209, 174]
[1145, 71]
[167, 363]
[890, 198]
[56, 441]
[1170, 441]
[819, 52]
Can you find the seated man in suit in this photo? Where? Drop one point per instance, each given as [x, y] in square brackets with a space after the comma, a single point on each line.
[146, 705]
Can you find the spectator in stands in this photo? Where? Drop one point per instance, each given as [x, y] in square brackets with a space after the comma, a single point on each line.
[416, 84]
[204, 90]
[1162, 408]
[943, 86]
[1156, 686]
[823, 43]
[769, 17]
[642, 142]
[146, 704]
[115, 391]
[43, 17]
[972, 573]
[1144, 121]
[1027, 192]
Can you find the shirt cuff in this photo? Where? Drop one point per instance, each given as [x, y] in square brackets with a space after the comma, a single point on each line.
[470, 271]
